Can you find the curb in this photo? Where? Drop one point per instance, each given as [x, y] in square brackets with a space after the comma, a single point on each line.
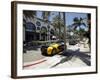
[34, 63]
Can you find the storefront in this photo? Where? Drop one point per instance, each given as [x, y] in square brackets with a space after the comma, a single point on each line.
[30, 32]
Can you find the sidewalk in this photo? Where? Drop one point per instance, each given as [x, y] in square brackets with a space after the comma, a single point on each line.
[32, 55]
[81, 47]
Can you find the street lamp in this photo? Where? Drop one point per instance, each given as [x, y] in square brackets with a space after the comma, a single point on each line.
[71, 33]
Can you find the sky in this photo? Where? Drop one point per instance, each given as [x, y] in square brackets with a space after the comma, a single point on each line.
[69, 17]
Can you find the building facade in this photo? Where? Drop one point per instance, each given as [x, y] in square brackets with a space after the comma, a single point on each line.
[36, 29]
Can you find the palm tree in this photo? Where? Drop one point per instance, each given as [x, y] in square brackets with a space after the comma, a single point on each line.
[77, 24]
[29, 14]
[65, 31]
[58, 23]
[45, 16]
[89, 28]
[43, 33]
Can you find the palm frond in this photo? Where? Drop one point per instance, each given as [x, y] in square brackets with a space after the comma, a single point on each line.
[29, 14]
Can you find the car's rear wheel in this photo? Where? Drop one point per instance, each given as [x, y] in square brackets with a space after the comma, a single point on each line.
[44, 50]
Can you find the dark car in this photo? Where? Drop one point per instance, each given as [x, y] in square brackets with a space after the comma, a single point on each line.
[73, 40]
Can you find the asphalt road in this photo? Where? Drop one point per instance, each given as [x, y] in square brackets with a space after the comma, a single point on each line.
[79, 56]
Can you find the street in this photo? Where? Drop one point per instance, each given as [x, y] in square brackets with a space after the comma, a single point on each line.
[76, 56]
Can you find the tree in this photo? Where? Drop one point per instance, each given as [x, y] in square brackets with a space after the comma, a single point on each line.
[43, 33]
[58, 23]
[29, 14]
[88, 34]
[46, 15]
[65, 31]
[77, 23]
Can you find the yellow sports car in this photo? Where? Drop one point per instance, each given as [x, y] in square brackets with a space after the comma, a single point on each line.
[52, 49]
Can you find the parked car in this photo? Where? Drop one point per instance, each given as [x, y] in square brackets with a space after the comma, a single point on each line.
[73, 40]
[52, 49]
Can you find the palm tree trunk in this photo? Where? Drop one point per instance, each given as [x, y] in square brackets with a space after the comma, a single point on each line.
[89, 30]
[59, 26]
[65, 30]
[46, 16]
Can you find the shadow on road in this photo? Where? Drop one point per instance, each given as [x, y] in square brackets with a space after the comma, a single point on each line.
[69, 54]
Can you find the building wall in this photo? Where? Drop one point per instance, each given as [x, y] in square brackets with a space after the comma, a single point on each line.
[39, 23]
